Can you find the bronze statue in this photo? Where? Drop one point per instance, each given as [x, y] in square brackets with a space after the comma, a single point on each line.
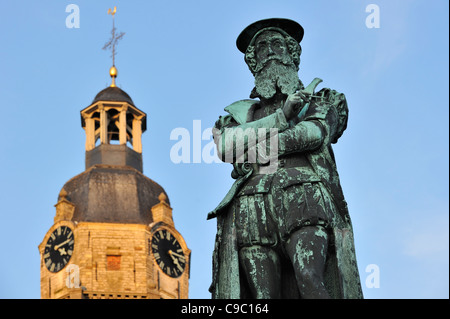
[283, 229]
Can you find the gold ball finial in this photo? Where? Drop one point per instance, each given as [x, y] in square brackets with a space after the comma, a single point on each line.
[113, 74]
[113, 71]
[63, 194]
[162, 197]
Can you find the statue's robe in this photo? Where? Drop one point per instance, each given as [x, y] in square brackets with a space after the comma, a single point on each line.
[318, 125]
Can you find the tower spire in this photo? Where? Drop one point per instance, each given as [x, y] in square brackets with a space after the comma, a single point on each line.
[111, 45]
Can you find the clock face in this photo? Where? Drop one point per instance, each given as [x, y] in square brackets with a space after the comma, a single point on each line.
[168, 253]
[59, 248]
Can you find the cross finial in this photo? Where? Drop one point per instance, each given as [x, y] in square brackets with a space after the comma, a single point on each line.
[111, 45]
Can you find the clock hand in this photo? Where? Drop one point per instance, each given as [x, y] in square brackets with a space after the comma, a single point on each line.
[175, 260]
[62, 244]
[177, 255]
[171, 255]
[62, 251]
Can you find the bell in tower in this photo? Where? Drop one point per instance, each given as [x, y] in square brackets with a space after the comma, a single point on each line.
[113, 234]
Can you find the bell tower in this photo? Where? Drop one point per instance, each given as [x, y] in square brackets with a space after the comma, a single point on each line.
[112, 117]
[113, 234]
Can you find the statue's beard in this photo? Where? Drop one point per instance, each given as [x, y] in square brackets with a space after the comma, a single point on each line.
[276, 75]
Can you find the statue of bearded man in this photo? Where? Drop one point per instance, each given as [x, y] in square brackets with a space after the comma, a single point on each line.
[283, 229]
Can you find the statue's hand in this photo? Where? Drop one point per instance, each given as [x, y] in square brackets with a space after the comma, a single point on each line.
[294, 103]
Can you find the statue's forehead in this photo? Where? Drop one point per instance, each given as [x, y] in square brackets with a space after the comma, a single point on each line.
[268, 33]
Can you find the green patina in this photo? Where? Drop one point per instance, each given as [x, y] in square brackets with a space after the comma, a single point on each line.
[296, 213]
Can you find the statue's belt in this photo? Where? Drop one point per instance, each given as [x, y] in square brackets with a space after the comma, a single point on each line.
[293, 161]
[288, 161]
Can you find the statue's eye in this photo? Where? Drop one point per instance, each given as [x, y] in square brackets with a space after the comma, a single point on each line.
[277, 43]
[262, 45]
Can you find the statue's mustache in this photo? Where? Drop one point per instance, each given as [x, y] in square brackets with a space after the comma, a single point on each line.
[264, 63]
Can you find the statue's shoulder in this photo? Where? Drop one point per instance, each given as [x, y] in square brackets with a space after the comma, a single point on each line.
[332, 105]
[239, 110]
[327, 100]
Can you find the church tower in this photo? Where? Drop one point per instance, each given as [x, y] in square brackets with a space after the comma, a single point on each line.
[113, 234]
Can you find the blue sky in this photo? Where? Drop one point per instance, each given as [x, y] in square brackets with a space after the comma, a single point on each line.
[179, 63]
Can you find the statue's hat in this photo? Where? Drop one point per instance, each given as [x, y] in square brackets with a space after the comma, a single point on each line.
[291, 27]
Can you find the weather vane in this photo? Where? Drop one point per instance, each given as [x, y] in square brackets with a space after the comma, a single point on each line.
[111, 45]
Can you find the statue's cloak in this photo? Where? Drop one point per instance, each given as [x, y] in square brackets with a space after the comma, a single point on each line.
[341, 274]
